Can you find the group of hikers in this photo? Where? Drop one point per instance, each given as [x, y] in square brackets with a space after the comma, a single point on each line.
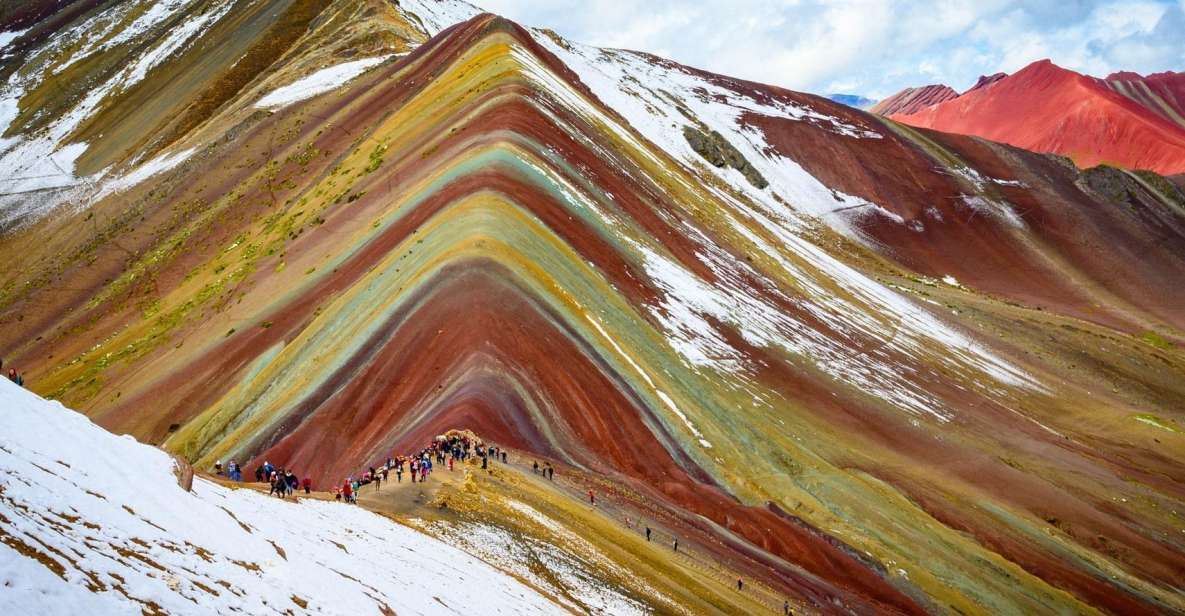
[548, 471]
[232, 470]
[281, 482]
[13, 375]
[443, 450]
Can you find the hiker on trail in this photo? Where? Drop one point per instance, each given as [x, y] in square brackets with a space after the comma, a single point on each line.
[415, 466]
[236, 473]
[785, 608]
[647, 533]
[20, 380]
[550, 472]
[504, 456]
[387, 471]
[218, 467]
[258, 474]
[307, 484]
[12, 374]
[484, 462]
[592, 498]
[399, 473]
[740, 585]
[450, 464]
[535, 468]
[290, 481]
[378, 482]
[676, 544]
[347, 491]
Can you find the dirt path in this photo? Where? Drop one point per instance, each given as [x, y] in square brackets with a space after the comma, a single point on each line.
[404, 500]
[396, 498]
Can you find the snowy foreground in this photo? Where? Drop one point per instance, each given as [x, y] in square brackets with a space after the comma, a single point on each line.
[96, 523]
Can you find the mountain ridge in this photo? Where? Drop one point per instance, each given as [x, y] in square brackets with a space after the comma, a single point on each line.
[1132, 121]
[878, 376]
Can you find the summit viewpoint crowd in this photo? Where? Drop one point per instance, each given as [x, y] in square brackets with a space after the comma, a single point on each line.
[444, 450]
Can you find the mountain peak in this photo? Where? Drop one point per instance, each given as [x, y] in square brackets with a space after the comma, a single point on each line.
[912, 100]
[1048, 108]
[986, 80]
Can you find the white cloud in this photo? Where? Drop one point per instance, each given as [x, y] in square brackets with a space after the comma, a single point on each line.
[874, 47]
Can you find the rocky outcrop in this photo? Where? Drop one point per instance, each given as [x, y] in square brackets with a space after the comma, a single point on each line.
[987, 80]
[715, 149]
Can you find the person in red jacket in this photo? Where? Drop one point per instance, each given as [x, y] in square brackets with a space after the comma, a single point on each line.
[307, 484]
[348, 492]
[592, 498]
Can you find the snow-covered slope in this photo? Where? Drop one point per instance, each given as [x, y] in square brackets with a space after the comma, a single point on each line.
[93, 105]
[95, 523]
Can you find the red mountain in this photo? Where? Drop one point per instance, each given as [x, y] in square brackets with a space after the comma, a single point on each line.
[912, 100]
[1125, 119]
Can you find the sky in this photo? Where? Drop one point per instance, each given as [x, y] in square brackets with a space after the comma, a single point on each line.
[873, 47]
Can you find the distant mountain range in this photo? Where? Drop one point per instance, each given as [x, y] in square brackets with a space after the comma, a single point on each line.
[852, 100]
[1124, 119]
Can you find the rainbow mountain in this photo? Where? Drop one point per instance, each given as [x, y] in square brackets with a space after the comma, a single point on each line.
[874, 368]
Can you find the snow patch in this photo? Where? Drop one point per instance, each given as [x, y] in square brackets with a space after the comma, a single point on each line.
[160, 164]
[10, 36]
[319, 82]
[437, 15]
[571, 569]
[999, 210]
[188, 29]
